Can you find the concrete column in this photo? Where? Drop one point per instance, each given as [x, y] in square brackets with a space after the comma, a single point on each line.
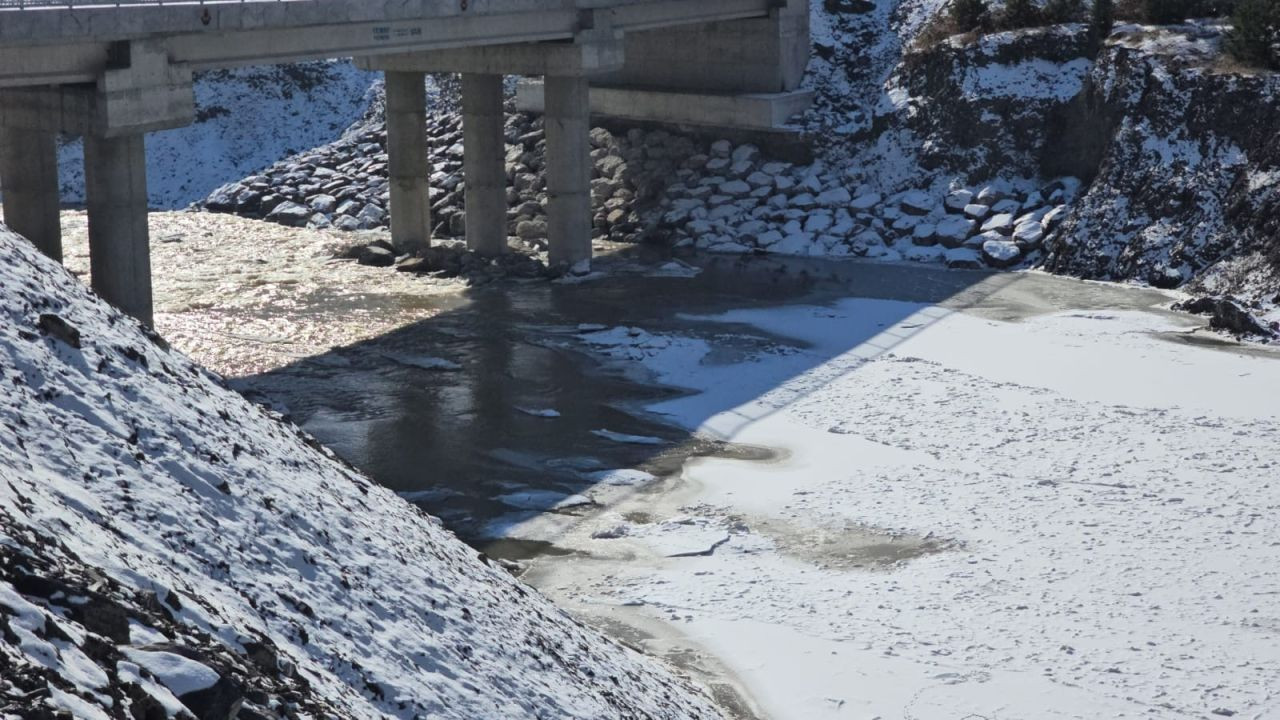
[29, 180]
[567, 121]
[410, 168]
[485, 164]
[115, 171]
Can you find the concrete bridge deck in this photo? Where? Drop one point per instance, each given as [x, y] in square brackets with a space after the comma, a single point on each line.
[69, 43]
[113, 71]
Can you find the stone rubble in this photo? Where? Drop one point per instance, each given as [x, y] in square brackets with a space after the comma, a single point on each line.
[344, 184]
[816, 210]
[657, 186]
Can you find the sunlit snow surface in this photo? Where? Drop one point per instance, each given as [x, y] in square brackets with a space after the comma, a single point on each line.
[1101, 494]
[145, 466]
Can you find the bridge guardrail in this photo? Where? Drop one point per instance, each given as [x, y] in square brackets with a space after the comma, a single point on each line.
[72, 4]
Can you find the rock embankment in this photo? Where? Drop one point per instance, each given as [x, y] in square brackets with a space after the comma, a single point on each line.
[738, 201]
[663, 186]
[166, 544]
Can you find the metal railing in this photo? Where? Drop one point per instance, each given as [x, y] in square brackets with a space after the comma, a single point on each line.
[72, 4]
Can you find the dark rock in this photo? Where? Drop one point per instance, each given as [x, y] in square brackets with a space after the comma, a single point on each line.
[225, 198]
[953, 125]
[848, 6]
[371, 216]
[269, 203]
[1225, 313]
[376, 256]
[59, 329]
[290, 213]
[222, 701]
[323, 203]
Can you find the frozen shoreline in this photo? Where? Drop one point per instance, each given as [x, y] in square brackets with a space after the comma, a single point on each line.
[1097, 494]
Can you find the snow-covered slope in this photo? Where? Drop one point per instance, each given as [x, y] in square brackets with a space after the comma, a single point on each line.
[158, 531]
[246, 118]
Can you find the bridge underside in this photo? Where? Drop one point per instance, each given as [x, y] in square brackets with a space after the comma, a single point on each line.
[114, 74]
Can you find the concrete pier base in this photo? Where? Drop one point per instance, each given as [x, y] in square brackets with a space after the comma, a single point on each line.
[568, 169]
[119, 242]
[29, 181]
[484, 163]
[409, 167]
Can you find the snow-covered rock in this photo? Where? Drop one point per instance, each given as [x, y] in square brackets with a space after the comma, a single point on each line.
[1001, 253]
[1000, 222]
[835, 197]
[136, 485]
[952, 231]
[865, 202]
[957, 200]
[962, 259]
[925, 234]
[917, 202]
[1029, 234]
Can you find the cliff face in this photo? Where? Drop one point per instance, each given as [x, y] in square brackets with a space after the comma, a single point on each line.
[979, 109]
[1186, 186]
[168, 549]
[1177, 150]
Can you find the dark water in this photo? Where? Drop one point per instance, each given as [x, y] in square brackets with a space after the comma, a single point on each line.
[456, 439]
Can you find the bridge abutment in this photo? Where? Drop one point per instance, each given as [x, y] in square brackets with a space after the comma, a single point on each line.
[409, 167]
[484, 163]
[119, 241]
[29, 181]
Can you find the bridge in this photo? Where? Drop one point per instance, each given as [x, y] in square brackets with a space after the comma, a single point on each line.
[112, 71]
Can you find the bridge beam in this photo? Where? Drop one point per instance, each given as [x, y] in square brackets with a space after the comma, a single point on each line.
[484, 163]
[29, 180]
[593, 52]
[409, 166]
[115, 172]
[568, 167]
[71, 44]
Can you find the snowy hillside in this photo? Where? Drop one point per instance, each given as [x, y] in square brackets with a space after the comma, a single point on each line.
[164, 543]
[246, 118]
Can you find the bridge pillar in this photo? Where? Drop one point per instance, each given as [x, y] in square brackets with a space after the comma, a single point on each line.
[409, 166]
[29, 181]
[484, 163]
[568, 168]
[115, 171]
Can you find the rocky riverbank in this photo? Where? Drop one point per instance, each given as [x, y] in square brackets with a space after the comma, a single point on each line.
[169, 549]
[663, 186]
